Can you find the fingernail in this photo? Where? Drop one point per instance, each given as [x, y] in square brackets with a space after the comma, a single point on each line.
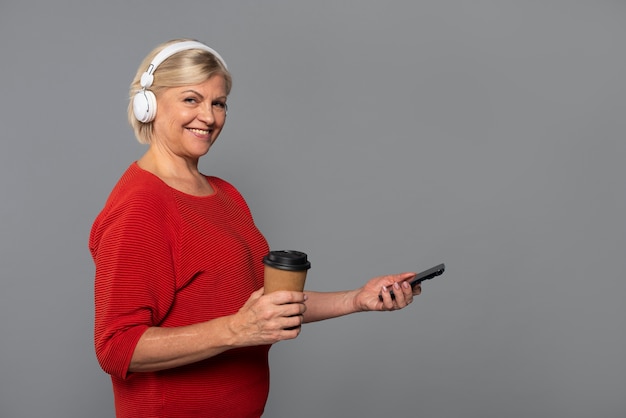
[385, 289]
[396, 285]
[405, 285]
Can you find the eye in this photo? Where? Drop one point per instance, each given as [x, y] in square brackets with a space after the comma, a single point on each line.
[220, 105]
[190, 100]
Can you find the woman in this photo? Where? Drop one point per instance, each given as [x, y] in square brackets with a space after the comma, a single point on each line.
[182, 324]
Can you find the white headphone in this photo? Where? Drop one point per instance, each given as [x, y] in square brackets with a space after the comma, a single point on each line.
[144, 101]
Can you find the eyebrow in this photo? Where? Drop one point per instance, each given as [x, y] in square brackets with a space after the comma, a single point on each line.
[202, 96]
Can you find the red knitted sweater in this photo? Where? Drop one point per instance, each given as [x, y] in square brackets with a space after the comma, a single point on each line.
[164, 258]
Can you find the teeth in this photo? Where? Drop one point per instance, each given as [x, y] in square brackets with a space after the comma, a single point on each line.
[199, 131]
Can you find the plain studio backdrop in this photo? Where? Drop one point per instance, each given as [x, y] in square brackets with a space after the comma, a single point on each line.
[378, 137]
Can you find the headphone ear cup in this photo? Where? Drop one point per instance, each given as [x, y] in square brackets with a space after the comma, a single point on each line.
[144, 106]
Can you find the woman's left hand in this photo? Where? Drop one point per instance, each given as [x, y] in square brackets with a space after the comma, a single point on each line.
[376, 294]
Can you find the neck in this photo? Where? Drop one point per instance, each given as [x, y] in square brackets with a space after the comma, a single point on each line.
[167, 165]
[179, 173]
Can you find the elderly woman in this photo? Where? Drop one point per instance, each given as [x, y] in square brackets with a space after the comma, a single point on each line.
[181, 321]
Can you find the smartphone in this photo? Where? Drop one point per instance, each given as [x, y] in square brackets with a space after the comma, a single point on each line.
[425, 275]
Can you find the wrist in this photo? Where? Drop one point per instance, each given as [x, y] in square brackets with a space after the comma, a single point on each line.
[232, 335]
[352, 298]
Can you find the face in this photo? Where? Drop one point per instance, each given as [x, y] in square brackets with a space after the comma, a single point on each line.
[190, 118]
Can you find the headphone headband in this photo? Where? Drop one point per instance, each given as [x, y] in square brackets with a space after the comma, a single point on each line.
[147, 78]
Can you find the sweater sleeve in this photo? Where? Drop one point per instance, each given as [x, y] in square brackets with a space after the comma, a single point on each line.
[133, 245]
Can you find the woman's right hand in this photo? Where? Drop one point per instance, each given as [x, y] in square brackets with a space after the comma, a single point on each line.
[267, 319]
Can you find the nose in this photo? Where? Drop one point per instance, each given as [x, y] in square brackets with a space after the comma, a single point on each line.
[207, 114]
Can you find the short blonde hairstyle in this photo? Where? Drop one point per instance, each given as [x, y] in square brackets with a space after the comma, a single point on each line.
[191, 66]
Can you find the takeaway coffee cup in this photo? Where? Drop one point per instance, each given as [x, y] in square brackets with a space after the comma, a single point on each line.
[285, 270]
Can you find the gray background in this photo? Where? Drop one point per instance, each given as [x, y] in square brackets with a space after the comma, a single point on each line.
[376, 136]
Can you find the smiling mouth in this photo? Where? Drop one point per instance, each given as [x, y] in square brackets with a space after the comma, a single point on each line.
[203, 132]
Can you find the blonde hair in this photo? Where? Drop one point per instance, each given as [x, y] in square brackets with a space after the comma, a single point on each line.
[192, 66]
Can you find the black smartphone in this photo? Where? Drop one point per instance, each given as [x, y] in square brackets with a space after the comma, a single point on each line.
[425, 275]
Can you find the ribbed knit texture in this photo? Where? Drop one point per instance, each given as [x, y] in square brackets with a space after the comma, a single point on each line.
[165, 258]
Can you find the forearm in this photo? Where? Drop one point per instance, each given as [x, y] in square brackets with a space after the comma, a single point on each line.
[162, 348]
[373, 296]
[262, 320]
[326, 305]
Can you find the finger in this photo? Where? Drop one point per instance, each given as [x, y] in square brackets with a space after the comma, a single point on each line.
[397, 278]
[417, 290]
[291, 332]
[282, 297]
[408, 292]
[386, 298]
[293, 322]
[292, 309]
[399, 291]
[402, 276]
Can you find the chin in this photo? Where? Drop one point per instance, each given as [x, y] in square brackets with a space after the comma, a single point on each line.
[203, 152]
